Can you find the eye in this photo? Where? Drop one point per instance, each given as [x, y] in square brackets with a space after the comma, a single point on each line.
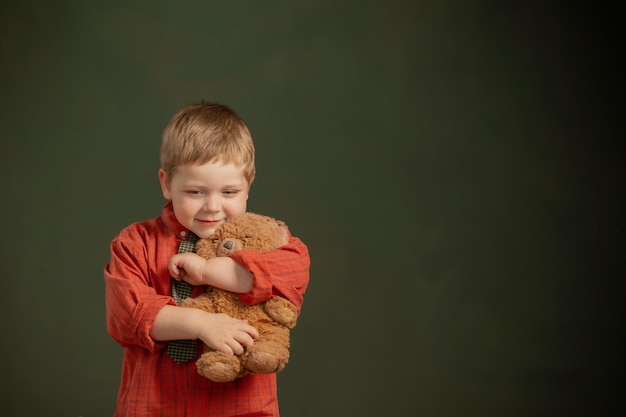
[230, 193]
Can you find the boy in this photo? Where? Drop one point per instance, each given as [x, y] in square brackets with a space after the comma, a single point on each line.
[207, 167]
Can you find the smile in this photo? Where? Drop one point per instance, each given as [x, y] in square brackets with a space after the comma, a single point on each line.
[208, 222]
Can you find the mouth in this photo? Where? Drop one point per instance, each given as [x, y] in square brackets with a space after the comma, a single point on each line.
[208, 222]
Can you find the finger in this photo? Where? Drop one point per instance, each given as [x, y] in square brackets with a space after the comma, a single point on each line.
[237, 348]
[254, 333]
[174, 271]
[225, 348]
[245, 340]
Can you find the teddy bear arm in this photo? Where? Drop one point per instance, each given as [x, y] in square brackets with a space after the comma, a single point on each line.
[282, 311]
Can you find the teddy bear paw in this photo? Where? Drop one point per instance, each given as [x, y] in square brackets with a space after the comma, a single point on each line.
[264, 362]
[282, 311]
[219, 367]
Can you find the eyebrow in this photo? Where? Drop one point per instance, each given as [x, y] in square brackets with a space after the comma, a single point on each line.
[193, 184]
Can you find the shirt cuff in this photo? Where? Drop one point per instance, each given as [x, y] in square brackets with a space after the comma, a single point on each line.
[143, 321]
[254, 262]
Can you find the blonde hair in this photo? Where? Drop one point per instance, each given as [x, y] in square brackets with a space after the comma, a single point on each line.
[207, 132]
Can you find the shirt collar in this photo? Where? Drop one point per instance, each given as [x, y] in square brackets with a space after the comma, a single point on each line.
[169, 219]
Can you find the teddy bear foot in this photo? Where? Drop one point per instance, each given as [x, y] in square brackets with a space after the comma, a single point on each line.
[260, 362]
[219, 367]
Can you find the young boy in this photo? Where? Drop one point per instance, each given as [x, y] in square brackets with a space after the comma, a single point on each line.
[207, 167]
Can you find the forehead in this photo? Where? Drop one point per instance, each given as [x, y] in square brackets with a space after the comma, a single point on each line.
[210, 173]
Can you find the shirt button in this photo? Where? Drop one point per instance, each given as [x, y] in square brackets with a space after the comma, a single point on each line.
[183, 233]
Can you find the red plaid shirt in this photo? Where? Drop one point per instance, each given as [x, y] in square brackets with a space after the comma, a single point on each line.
[138, 286]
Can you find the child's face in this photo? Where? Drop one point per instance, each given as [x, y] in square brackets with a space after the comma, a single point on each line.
[204, 195]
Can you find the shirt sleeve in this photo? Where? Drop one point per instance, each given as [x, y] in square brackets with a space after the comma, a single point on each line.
[131, 303]
[282, 272]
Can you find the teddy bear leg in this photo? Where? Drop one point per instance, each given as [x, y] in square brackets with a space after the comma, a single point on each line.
[264, 362]
[270, 353]
[282, 311]
[218, 366]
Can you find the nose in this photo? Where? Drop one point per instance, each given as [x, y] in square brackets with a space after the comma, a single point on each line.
[211, 203]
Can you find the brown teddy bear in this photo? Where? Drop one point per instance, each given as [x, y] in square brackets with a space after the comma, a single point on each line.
[272, 319]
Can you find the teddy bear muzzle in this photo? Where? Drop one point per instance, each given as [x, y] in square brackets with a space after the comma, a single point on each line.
[228, 246]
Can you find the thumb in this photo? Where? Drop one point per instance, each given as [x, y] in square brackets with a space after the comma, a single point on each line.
[172, 266]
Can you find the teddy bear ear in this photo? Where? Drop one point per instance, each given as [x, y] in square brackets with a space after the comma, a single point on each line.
[284, 234]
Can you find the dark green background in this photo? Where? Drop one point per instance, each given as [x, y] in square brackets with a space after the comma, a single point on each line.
[452, 165]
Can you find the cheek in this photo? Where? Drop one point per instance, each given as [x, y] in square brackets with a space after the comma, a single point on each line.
[238, 207]
[187, 207]
[243, 204]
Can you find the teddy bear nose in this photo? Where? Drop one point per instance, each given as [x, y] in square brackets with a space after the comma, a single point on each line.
[228, 244]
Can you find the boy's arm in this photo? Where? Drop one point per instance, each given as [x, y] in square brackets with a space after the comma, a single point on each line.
[131, 302]
[220, 272]
[283, 272]
[138, 315]
[219, 331]
[256, 276]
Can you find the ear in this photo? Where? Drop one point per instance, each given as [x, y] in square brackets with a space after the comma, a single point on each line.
[249, 186]
[165, 184]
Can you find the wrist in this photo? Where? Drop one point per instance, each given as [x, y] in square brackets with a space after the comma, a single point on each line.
[206, 274]
[223, 272]
[197, 320]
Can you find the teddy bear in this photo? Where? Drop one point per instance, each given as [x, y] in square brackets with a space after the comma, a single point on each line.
[273, 318]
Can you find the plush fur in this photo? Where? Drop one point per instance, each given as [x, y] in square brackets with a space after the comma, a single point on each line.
[273, 319]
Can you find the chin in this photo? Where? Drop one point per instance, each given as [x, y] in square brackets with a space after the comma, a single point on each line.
[206, 232]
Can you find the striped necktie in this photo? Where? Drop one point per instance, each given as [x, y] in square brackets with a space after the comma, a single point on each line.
[182, 351]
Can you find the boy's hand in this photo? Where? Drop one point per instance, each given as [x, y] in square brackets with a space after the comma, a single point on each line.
[226, 334]
[219, 331]
[187, 267]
